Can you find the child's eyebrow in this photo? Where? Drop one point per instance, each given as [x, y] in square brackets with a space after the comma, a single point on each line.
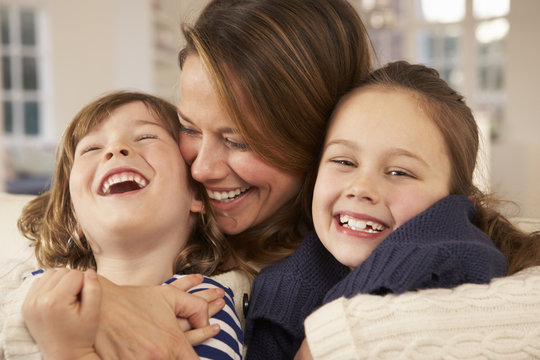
[394, 152]
[400, 152]
[344, 142]
[147, 122]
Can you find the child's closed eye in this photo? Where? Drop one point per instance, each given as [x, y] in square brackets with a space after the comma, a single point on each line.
[146, 137]
[398, 172]
[344, 162]
[89, 148]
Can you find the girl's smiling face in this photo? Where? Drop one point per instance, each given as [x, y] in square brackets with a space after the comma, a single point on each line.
[129, 180]
[384, 161]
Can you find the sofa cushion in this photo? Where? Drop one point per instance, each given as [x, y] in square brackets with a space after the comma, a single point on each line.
[12, 244]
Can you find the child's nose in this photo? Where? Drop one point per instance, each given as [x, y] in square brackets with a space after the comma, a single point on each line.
[118, 150]
[363, 188]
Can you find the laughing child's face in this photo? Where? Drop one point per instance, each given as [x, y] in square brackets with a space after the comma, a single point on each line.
[129, 178]
[384, 161]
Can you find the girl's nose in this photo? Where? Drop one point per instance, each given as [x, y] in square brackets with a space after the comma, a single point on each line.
[363, 188]
[117, 149]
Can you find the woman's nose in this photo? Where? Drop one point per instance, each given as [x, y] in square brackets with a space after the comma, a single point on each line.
[211, 163]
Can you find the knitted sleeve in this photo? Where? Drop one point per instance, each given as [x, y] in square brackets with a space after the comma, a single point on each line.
[15, 339]
[491, 321]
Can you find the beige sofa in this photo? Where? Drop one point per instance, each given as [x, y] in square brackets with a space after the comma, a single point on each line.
[12, 244]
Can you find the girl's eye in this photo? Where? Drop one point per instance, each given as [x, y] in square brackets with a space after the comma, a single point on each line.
[236, 145]
[146, 136]
[89, 149]
[400, 173]
[343, 162]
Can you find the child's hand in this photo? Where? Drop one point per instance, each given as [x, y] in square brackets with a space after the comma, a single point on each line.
[215, 300]
[61, 311]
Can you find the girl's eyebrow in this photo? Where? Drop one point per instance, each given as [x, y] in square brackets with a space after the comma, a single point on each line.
[344, 142]
[147, 122]
[395, 152]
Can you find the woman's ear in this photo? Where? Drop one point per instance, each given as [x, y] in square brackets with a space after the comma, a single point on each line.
[197, 206]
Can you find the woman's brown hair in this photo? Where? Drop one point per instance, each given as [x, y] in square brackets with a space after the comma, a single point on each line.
[455, 120]
[279, 67]
[49, 220]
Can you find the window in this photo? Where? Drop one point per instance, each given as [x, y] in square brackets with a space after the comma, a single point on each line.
[463, 39]
[21, 73]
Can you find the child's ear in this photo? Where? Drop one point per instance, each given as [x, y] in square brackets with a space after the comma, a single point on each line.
[197, 206]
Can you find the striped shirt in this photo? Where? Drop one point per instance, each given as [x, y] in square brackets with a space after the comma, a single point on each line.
[228, 343]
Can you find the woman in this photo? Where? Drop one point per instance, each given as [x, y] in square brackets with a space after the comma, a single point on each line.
[259, 80]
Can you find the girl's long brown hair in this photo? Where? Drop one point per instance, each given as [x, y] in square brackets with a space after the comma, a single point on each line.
[455, 120]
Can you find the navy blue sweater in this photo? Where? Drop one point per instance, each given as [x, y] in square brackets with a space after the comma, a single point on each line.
[439, 248]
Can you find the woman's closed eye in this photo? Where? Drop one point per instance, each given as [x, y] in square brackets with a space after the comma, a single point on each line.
[236, 145]
[187, 130]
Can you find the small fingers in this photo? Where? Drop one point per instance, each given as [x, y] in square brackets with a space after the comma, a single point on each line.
[197, 336]
[215, 306]
[210, 294]
[186, 282]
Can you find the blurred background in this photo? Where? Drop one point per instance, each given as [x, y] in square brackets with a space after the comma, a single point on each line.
[58, 55]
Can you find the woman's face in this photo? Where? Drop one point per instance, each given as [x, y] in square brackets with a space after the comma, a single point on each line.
[243, 188]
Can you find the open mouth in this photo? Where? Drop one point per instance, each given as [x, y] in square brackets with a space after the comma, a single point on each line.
[226, 196]
[123, 182]
[360, 225]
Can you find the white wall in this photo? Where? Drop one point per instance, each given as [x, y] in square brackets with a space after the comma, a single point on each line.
[95, 46]
[515, 160]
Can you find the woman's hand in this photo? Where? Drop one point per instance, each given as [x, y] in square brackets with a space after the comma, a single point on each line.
[141, 322]
[61, 311]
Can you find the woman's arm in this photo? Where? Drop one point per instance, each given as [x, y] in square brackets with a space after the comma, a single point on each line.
[467, 321]
[141, 322]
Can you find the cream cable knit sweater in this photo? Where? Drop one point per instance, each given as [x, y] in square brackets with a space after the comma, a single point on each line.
[500, 320]
[15, 340]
